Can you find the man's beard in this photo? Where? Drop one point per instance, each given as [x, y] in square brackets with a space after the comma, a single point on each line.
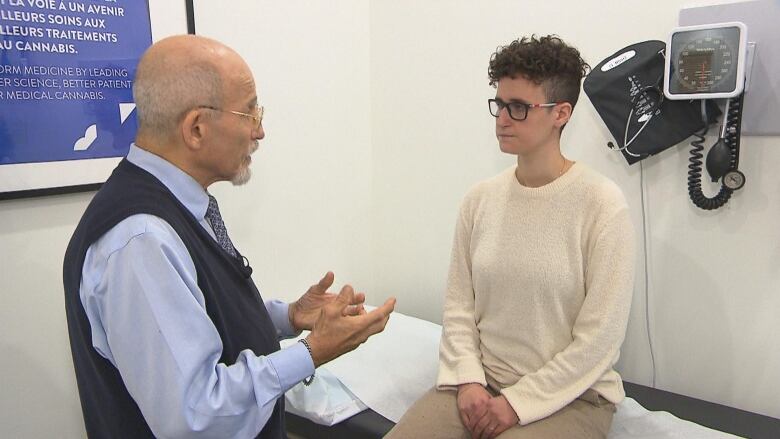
[244, 174]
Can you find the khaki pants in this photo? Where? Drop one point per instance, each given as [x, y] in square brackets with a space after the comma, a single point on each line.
[435, 416]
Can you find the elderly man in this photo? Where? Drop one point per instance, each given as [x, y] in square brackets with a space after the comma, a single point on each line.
[169, 334]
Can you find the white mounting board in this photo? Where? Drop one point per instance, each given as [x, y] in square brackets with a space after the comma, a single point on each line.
[761, 115]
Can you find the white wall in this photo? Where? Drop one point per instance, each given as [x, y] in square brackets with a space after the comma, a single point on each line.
[306, 209]
[376, 126]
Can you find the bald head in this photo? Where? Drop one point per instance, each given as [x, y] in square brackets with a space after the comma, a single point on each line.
[178, 74]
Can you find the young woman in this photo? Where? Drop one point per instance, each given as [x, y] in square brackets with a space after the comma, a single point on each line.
[541, 275]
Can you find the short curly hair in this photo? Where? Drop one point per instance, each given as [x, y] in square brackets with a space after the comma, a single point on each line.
[545, 61]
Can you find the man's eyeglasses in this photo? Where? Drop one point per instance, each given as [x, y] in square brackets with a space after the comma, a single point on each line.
[257, 118]
[517, 110]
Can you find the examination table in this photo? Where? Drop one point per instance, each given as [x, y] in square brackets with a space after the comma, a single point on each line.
[362, 394]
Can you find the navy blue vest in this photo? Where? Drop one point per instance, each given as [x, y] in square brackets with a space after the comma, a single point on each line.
[232, 301]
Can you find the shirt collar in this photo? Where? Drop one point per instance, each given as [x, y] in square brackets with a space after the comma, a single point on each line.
[181, 184]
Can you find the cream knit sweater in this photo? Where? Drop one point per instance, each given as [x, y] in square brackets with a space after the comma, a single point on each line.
[539, 290]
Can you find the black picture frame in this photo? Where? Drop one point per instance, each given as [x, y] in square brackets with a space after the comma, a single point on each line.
[190, 17]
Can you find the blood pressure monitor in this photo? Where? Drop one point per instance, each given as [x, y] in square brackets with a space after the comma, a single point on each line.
[706, 61]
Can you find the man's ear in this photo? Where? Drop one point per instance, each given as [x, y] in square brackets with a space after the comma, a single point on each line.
[193, 128]
[562, 114]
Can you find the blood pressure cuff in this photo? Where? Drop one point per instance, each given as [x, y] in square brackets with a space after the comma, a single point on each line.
[627, 91]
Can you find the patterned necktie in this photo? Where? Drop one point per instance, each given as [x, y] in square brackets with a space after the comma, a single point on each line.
[212, 214]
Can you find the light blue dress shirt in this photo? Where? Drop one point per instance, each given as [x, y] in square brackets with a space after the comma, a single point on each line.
[148, 318]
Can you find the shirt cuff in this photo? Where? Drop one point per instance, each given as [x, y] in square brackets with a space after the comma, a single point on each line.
[279, 312]
[292, 364]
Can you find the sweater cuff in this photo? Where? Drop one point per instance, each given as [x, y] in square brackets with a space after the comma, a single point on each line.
[527, 409]
[462, 372]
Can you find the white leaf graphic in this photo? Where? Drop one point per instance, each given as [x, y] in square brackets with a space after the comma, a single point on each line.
[85, 142]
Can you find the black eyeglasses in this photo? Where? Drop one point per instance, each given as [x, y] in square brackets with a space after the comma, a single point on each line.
[517, 110]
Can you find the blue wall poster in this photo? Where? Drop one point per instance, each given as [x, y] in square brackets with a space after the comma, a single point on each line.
[66, 105]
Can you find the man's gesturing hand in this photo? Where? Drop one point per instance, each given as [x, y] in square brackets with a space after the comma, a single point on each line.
[338, 330]
[306, 310]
